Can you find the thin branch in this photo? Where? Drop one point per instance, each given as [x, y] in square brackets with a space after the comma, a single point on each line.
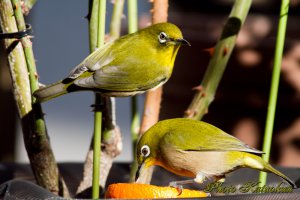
[93, 24]
[283, 17]
[216, 67]
[151, 109]
[98, 110]
[153, 97]
[160, 11]
[16, 58]
[111, 141]
[116, 19]
[34, 129]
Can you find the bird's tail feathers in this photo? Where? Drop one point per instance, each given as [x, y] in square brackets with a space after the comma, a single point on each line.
[51, 91]
[257, 162]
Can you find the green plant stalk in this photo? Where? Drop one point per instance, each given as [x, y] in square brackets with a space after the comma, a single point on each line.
[109, 115]
[115, 25]
[93, 26]
[217, 65]
[274, 85]
[97, 147]
[93, 33]
[98, 111]
[16, 59]
[135, 126]
[132, 16]
[27, 45]
[101, 23]
[111, 136]
[34, 129]
[114, 32]
[135, 116]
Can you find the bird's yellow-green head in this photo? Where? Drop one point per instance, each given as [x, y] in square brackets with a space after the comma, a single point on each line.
[165, 38]
[148, 145]
[147, 151]
[164, 35]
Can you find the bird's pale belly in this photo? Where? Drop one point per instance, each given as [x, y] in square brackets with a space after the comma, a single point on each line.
[190, 163]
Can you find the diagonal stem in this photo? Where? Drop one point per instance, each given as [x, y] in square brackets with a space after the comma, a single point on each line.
[217, 65]
[274, 85]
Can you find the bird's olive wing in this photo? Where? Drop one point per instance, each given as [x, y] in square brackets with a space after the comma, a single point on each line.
[204, 137]
[122, 78]
[94, 61]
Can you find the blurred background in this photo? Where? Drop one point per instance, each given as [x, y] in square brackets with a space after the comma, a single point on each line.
[61, 42]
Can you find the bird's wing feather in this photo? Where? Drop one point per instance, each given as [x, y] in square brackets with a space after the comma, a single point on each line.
[94, 61]
[107, 78]
[117, 78]
[205, 137]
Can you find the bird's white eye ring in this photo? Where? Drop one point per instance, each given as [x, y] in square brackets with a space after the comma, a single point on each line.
[145, 151]
[162, 37]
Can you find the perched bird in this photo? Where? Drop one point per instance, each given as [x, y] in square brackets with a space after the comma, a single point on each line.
[132, 64]
[196, 149]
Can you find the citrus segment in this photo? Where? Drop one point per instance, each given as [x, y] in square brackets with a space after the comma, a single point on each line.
[132, 190]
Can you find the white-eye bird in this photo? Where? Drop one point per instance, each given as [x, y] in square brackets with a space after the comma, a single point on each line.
[127, 66]
[196, 149]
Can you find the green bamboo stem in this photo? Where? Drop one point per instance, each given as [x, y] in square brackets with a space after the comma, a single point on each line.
[216, 67]
[98, 112]
[274, 85]
[34, 129]
[135, 116]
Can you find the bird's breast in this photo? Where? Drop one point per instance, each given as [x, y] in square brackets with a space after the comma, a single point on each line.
[174, 168]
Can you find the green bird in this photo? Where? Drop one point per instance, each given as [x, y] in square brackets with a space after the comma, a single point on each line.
[127, 66]
[196, 149]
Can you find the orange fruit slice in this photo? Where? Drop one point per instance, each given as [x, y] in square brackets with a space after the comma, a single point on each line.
[138, 191]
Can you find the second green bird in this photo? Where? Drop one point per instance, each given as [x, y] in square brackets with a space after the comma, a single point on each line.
[196, 149]
[127, 66]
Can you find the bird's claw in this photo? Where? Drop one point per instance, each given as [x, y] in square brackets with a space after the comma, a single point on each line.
[178, 187]
[208, 194]
[221, 180]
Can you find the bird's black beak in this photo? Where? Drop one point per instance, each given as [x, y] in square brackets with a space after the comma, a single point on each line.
[137, 174]
[182, 41]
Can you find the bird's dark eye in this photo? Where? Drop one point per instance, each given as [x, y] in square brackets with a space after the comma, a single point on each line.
[145, 151]
[162, 37]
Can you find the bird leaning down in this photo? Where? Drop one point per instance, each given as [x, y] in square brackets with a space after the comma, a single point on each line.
[196, 149]
[127, 66]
